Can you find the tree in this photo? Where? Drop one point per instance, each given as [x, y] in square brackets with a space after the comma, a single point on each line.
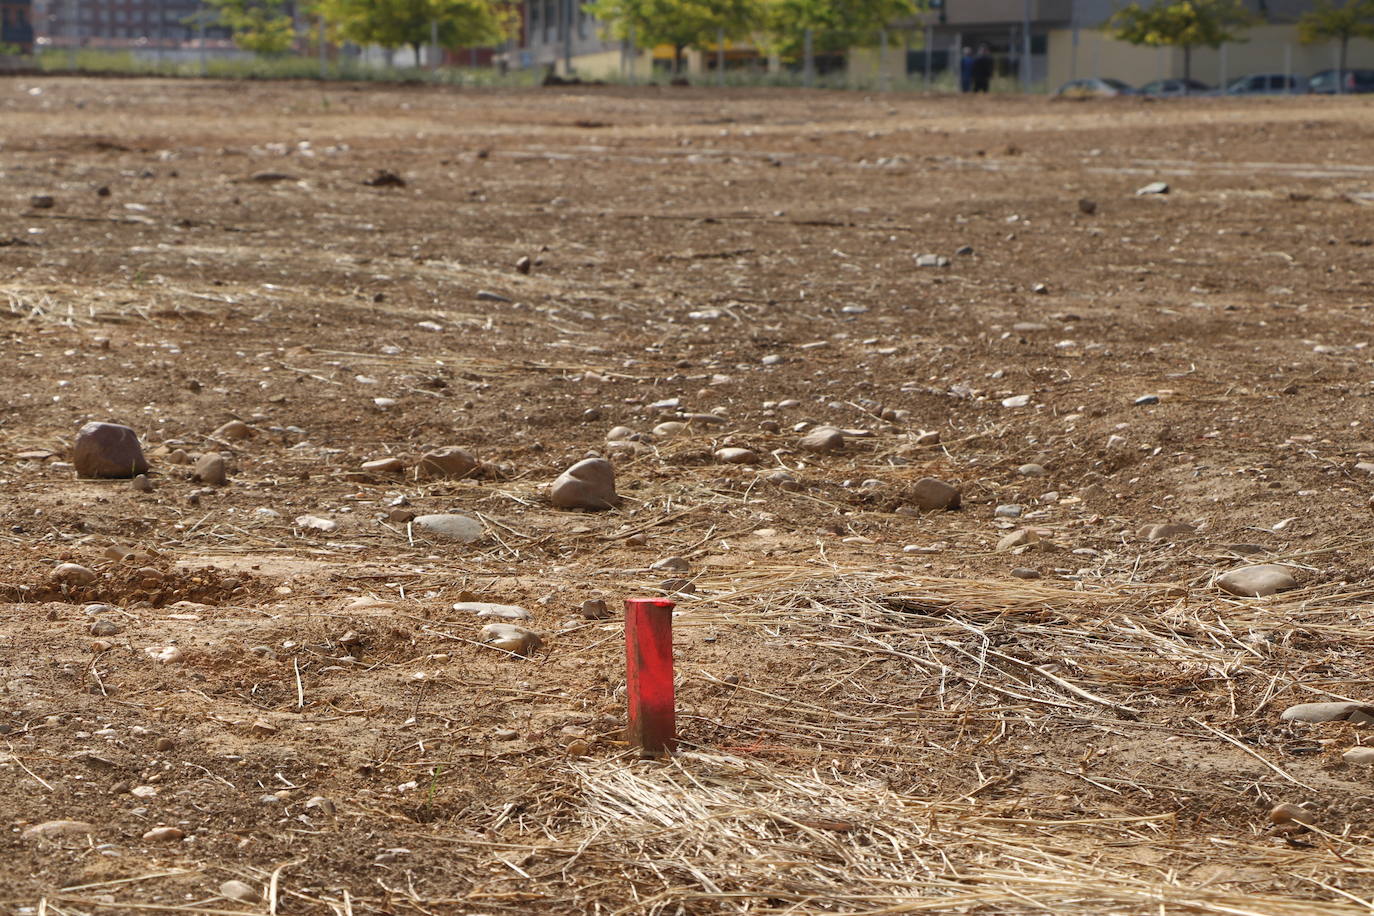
[680, 23]
[1328, 22]
[1185, 24]
[394, 24]
[835, 24]
[261, 26]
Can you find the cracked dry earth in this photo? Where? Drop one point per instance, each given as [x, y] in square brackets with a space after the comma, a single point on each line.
[243, 713]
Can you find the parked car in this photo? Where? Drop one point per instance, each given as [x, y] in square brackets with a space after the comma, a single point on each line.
[1267, 84]
[1088, 88]
[1172, 87]
[1327, 81]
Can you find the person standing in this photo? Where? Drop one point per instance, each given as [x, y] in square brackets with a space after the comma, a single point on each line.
[980, 72]
[966, 71]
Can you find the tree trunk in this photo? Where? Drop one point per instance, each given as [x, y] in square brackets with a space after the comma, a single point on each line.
[417, 46]
[677, 59]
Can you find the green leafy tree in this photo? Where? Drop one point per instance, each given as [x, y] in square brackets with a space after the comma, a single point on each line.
[1185, 24]
[396, 24]
[835, 25]
[681, 23]
[1328, 22]
[261, 26]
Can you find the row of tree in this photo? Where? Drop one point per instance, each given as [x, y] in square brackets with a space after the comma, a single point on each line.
[790, 28]
[1189, 24]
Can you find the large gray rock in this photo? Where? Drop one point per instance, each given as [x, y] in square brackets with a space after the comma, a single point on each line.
[1257, 581]
[108, 450]
[450, 527]
[447, 462]
[589, 484]
[930, 493]
[1358, 713]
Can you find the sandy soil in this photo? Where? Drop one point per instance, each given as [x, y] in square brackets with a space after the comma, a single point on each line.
[876, 714]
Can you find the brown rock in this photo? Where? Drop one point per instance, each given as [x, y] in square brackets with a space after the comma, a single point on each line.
[823, 440]
[589, 484]
[930, 493]
[384, 466]
[1165, 531]
[737, 456]
[447, 462]
[233, 431]
[210, 469]
[108, 450]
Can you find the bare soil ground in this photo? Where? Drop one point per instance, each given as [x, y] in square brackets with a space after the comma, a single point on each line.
[876, 715]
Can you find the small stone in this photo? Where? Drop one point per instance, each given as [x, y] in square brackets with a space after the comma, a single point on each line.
[1087, 207]
[54, 829]
[178, 456]
[737, 456]
[104, 628]
[589, 484]
[163, 834]
[678, 586]
[619, 434]
[1115, 442]
[1289, 813]
[513, 639]
[578, 748]
[1257, 581]
[823, 440]
[1007, 511]
[210, 469]
[1031, 470]
[1359, 755]
[73, 574]
[1365, 466]
[447, 462]
[1021, 537]
[42, 201]
[233, 431]
[505, 734]
[108, 450]
[595, 609]
[321, 804]
[963, 251]
[400, 516]
[1023, 572]
[459, 528]
[523, 264]
[1146, 399]
[1040, 289]
[928, 437]
[930, 493]
[669, 429]
[1358, 713]
[493, 611]
[931, 260]
[315, 523]
[1017, 400]
[671, 564]
[1154, 187]
[239, 890]
[384, 466]
[164, 744]
[167, 655]
[1165, 532]
[141, 484]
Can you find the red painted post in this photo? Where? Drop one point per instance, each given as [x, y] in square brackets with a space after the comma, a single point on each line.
[649, 674]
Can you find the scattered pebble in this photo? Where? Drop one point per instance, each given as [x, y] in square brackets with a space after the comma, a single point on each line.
[232, 431]
[315, 523]
[164, 834]
[241, 891]
[1017, 400]
[104, 628]
[141, 484]
[671, 564]
[1007, 511]
[495, 611]
[108, 450]
[930, 493]
[737, 456]
[1154, 187]
[931, 260]
[53, 829]
[1025, 572]
[384, 466]
[1031, 470]
[1146, 399]
[595, 609]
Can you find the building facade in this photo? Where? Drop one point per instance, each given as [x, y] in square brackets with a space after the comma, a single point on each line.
[123, 23]
[16, 25]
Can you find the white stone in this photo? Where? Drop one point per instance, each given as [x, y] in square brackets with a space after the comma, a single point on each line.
[459, 528]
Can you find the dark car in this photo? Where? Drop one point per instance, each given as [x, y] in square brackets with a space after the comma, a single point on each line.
[1329, 82]
[1087, 88]
[1172, 87]
[1267, 84]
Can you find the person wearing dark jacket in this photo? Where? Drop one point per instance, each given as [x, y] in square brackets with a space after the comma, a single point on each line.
[980, 73]
[966, 71]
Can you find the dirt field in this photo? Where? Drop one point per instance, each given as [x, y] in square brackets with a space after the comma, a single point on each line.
[876, 715]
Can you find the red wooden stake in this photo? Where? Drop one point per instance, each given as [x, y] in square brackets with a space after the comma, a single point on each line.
[649, 674]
